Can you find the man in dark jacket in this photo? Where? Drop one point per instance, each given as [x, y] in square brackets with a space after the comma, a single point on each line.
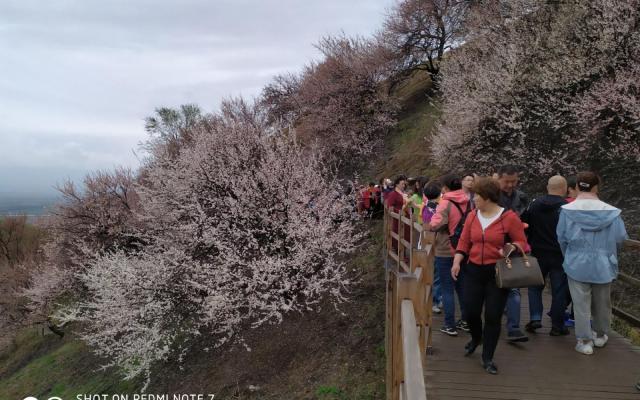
[512, 199]
[542, 216]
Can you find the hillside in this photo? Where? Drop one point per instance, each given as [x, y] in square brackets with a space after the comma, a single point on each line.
[327, 355]
[330, 355]
[406, 149]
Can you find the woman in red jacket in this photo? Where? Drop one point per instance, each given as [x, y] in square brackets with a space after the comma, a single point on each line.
[487, 230]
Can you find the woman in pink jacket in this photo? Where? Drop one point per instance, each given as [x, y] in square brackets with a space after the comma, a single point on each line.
[447, 223]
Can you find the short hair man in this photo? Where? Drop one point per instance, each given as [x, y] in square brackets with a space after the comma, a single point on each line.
[467, 185]
[512, 199]
[542, 216]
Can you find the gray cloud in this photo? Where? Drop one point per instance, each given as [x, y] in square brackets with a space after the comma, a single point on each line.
[77, 78]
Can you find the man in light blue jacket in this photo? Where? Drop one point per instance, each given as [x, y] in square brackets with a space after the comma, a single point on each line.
[589, 233]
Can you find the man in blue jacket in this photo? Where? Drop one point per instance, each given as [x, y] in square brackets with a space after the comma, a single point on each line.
[589, 233]
[542, 216]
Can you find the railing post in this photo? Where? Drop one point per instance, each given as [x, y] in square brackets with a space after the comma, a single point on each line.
[389, 332]
[412, 287]
[412, 241]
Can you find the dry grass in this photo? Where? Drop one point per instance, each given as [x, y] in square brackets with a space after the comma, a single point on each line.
[407, 147]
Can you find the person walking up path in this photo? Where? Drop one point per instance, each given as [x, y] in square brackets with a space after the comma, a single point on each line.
[447, 221]
[589, 233]
[542, 217]
[432, 194]
[512, 199]
[482, 242]
[396, 200]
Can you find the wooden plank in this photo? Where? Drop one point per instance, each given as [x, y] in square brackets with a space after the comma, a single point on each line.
[418, 227]
[546, 367]
[630, 318]
[427, 277]
[632, 244]
[412, 241]
[394, 256]
[629, 279]
[405, 267]
[386, 243]
[427, 296]
[398, 370]
[427, 337]
[413, 372]
[406, 221]
[405, 244]
[461, 380]
[394, 235]
[488, 393]
[388, 332]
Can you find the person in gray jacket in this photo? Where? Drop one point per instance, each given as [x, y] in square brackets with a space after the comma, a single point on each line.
[589, 233]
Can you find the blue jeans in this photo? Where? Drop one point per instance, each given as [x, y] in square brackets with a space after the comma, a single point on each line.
[435, 288]
[513, 310]
[447, 286]
[550, 264]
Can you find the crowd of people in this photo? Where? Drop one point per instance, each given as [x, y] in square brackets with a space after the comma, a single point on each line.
[476, 221]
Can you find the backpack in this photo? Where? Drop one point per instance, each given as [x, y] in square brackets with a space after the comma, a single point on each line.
[428, 211]
[454, 238]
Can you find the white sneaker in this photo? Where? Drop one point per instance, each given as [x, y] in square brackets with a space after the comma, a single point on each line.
[436, 309]
[600, 341]
[584, 347]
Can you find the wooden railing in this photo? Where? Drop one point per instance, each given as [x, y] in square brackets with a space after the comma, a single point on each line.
[630, 280]
[409, 276]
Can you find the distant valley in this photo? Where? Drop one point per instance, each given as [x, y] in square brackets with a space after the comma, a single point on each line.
[29, 204]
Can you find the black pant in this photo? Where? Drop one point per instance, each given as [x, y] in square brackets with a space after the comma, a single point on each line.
[480, 289]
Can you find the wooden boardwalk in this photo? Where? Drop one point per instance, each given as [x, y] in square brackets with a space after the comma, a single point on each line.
[543, 368]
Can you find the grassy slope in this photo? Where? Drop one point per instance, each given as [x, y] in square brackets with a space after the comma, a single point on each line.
[325, 355]
[407, 149]
[39, 365]
[322, 355]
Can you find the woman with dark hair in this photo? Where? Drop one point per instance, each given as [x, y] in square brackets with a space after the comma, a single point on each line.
[415, 196]
[483, 239]
[396, 200]
[572, 193]
[431, 196]
[589, 233]
[450, 214]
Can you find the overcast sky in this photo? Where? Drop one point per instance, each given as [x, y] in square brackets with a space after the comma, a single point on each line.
[77, 78]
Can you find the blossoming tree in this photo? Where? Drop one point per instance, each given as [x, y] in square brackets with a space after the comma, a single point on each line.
[552, 87]
[235, 228]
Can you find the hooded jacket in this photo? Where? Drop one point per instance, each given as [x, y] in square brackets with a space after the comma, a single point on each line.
[542, 216]
[589, 233]
[446, 219]
[483, 247]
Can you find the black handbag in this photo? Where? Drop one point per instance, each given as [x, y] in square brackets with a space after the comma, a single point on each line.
[518, 271]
